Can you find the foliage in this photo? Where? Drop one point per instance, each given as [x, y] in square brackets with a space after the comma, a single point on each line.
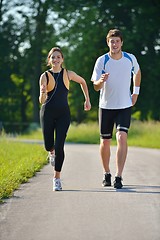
[141, 37]
[28, 33]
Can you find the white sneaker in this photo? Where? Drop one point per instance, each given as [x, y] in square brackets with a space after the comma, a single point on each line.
[51, 159]
[57, 184]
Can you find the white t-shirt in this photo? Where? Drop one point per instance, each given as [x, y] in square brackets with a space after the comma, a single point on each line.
[115, 93]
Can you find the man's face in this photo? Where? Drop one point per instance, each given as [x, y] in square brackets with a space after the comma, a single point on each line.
[115, 45]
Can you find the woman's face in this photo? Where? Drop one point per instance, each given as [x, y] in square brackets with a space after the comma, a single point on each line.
[56, 59]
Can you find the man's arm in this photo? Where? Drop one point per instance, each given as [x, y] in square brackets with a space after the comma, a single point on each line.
[136, 86]
[99, 84]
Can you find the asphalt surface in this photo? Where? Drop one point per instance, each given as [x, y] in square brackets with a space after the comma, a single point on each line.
[84, 210]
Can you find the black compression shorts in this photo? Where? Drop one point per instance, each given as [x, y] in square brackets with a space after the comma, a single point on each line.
[108, 117]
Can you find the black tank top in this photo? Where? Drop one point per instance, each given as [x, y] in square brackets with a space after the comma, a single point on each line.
[58, 98]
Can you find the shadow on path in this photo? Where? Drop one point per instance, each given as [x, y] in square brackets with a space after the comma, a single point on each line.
[125, 189]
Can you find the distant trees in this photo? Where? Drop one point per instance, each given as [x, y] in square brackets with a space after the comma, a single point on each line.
[28, 31]
[25, 35]
[139, 22]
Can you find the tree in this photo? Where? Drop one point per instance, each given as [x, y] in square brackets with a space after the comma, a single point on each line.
[139, 24]
[24, 46]
[79, 28]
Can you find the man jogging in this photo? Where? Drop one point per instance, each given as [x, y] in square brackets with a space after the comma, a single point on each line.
[112, 75]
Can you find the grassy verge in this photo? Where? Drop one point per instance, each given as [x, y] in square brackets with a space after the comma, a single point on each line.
[83, 133]
[18, 163]
[141, 134]
[145, 135]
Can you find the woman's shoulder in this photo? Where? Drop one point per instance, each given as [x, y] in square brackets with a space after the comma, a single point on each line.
[44, 77]
[71, 74]
[43, 74]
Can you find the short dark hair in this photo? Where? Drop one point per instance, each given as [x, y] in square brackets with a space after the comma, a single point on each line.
[114, 33]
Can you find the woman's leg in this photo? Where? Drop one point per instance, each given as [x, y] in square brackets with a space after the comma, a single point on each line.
[62, 125]
[48, 126]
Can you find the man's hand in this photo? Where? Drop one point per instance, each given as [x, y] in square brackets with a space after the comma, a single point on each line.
[99, 84]
[134, 99]
[103, 77]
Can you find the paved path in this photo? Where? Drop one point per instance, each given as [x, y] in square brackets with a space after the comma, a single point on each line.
[84, 210]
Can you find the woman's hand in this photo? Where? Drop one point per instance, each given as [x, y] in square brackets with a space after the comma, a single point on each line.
[87, 105]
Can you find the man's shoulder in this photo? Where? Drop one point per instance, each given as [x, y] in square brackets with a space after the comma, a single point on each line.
[129, 55]
[102, 57]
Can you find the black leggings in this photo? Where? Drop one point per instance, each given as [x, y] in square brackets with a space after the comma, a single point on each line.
[54, 133]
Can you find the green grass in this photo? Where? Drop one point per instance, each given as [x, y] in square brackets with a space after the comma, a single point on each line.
[144, 134]
[18, 163]
[141, 134]
[83, 133]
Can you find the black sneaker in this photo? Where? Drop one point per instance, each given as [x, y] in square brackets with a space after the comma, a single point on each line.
[107, 180]
[117, 182]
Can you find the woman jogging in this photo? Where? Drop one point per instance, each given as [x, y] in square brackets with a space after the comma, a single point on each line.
[55, 112]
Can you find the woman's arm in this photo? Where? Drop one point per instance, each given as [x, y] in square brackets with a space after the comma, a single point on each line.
[43, 88]
[76, 78]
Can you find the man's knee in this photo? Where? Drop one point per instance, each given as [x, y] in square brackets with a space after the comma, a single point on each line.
[121, 137]
[105, 142]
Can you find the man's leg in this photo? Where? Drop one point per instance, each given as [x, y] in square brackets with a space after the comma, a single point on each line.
[122, 125]
[105, 153]
[105, 157]
[121, 153]
[106, 123]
